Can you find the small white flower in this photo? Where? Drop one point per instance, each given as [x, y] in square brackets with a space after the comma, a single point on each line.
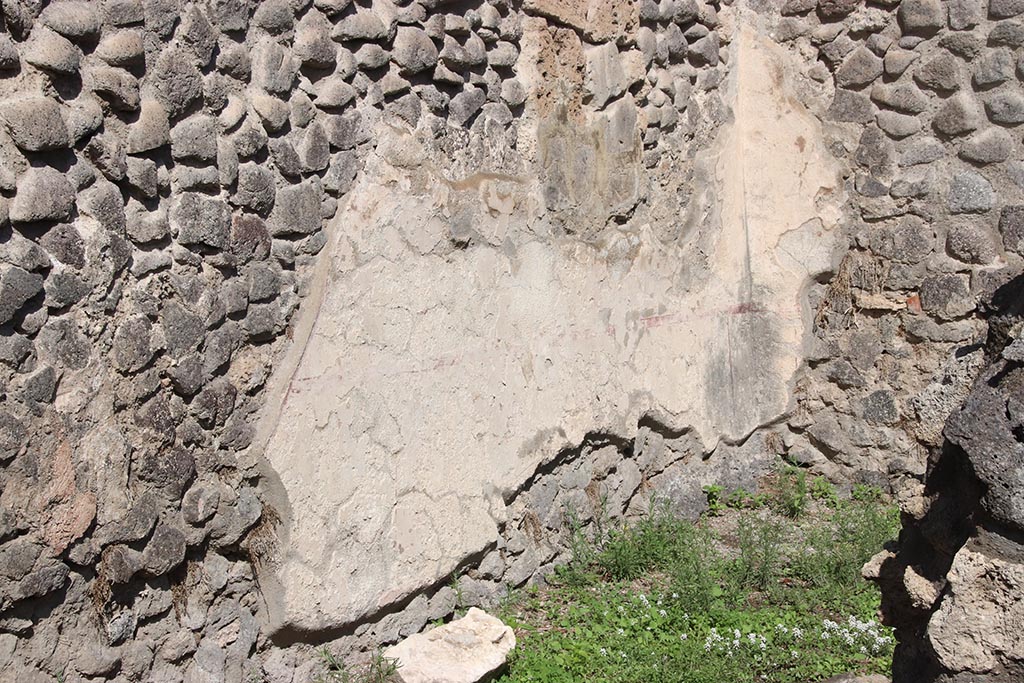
[663, 613]
[604, 652]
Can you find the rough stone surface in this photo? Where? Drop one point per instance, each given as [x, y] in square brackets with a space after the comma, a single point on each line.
[470, 649]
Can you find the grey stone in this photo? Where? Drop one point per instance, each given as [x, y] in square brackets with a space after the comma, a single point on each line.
[942, 73]
[64, 289]
[333, 93]
[372, 56]
[50, 51]
[413, 50]
[233, 60]
[958, 115]
[921, 16]
[106, 152]
[1007, 33]
[314, 149]
[200, 220]
[249, 140]
[970, 192]
[273, 67]
[187, 375]
[851, 107]
[142, 176]
[176, 81]
[945, 296]
[859, 69]
[897, 125]
[274, 16]
[143, 226]
[75, 19]
[164, 551]
[9, 59]
[466, 104]
[1011, 227]
[64, 243]
[35, 123]
[197, 35]
[131, 348]
[969, 243]
[152, 130]
[200, 501]
[61, 341]
[1005, 107]
[286, 159]
[256, 188]
[313, 44]
[503, 55]
[50, 577]
[212, 407]
[704, 51]
[348, 130]
[297, 209]
[231, 15]
[989, 146]
[513, 93]
[875, 152]
[183, 329]
[38, 388]
[363, 24]
[273, 111]
[17, 286]
[12, 439]
[903, 97]
[1003, 9]
[342, 172]
[993, 67]
[122, 48]
[963, 14]
[897, 61]
[44, 194]
[123, 12]
[24, 253]
[909, 241]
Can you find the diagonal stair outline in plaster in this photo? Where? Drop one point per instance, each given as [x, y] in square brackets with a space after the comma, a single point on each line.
[422, 390]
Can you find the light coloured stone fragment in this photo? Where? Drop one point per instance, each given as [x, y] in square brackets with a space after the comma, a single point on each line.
[467, 650]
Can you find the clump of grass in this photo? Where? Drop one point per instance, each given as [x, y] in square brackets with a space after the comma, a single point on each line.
[379, 669]
[669, 601]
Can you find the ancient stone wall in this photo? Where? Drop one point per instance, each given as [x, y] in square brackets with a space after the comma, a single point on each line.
[546, 255]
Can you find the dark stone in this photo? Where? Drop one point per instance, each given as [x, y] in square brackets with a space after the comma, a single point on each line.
[135, 525]
[176, 80]
[17, 286]
[35, 123]
[200, 502]
[12, 436]
[183, 329]
[879, 407]
[1011, 227]
[945, 296]
[215, 402]
[62, 341]
[164, 551]
[65, 244]
[187, 375]
[851, 107]
[250, 239]
[65, 289]
[170, 469]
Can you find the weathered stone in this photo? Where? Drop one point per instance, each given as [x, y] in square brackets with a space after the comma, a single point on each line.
[1004, 9]
[413, 50]
[195, 138]
[704, 51]
[9, 60]
[313, 44]
[164, 551]
[969, 243]
[921, 16]
[333, 93]
[466, 104]
[16, 288]
[897, 125]
[35, 123]
[348, 130]
[922, 151]
[363, 24]
[1011, 227]
[960, 114]
[62, 342]
[993, 67]
[897, 61]
[989, 146]
[65, 244]
[74, 19]
[851, 107]
[879, 407]
[200, 501]
[945, 296]
[372, 56]
[859, 69]
[131, 349]
[152, 130]
[196, 219]
[1006, 107]
[833, 9]
[970, 192]
[123, 48]
[51, 51]
[250, 239]
[604, 78]
[273, 67]
[297, 209]
[905, 98]
[44, 194]
[941, 73]
[256, 188]
[1008, 34]
[176, 81]
[467, 650]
